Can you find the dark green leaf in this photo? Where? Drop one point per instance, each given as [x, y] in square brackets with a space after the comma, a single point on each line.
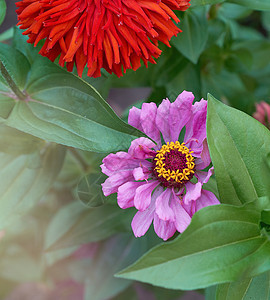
[57, 106]
[249, 289]
[237, 145]
[74, 225]
[222, 243]
[253, 4]
[192, 41]
[3, 8]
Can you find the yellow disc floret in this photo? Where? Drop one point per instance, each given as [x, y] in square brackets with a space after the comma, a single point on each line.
[174, 164]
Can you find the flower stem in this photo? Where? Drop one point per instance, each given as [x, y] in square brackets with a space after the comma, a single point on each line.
[11, 83]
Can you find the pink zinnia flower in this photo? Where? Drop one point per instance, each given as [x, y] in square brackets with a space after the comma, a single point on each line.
[262, 113]
[156, 178]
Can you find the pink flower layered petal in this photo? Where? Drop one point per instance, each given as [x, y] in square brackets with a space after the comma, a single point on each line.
[207, 198]
[112, 183]
[148, 121]
[205, 159]
[163, 119]
[126, 193]
[134, 118]
[180, 113]
[163, 209]
[164, 229]
[140, 174]
[193, 190]
[143, 219]
[196, 127]
[182, 218]
[116, 162]
[141, 148]
[143, 193]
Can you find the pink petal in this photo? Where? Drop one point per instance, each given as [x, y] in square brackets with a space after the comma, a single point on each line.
[141, 148]
[163, 209]
[180, 113]
[193, 191]
[143, 219]
[126, 193]
[134, 118]
[207, 198]
[140, 174]
[118, 161]
[143, 195]
[163, 120]
[112, 183]
[196, 127]
[203, 177]
[148, 121]
[204, 159]
[182, 218]
[164, 229]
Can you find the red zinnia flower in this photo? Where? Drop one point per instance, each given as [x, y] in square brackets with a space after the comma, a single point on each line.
[105, 34]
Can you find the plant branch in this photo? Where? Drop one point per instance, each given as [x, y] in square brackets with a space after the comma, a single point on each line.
[11, 83]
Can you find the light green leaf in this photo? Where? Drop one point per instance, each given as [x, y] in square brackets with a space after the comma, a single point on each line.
[222, 243]
[25, 179]
[192, 41]
[3, 8]
[237, 145]
[253, 4]
[249, 289]
[15, 142]
[58, 106]
[194, 3]
[89, 191]
[74, 225]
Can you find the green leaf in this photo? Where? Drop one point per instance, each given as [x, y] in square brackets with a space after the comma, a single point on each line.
[237, 145]
[58, 106]
[25, 179]
[192, 41]
[222, 243]
[3, 9]
[253, 4]
[15, 142]
[89, 190]
[249, 289]
[194, 3]
[74, 225]
[113, 255]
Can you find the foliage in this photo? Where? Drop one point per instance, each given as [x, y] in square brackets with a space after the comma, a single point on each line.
[56, 227]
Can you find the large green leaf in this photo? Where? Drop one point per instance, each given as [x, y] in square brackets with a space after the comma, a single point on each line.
[75, 224]
[253, 4]
[222, 243]
[237, 143]
[3, 8]
[192, 41]
[52, 104]
[249, 289]
[25, 179]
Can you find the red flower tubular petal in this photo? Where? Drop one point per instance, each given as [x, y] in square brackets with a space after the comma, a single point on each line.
[110, 34]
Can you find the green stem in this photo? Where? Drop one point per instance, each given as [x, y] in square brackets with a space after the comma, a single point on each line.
[11, 83]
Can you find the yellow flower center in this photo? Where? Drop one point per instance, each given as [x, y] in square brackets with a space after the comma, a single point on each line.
[174, 165]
